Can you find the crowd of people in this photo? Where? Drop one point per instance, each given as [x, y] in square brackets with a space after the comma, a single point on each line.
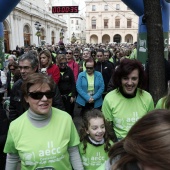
[107, 83]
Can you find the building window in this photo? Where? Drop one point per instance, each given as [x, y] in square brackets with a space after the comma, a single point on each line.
[77, 22]
[106, 7]
[72, 21]
[93, 7]
[117, 23]
[129, 23]
[106, 23]
[117, 6]
[93, 23]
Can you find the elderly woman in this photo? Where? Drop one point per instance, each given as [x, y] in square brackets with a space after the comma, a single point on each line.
[43, 137]
[126, 104]
[90, 86]
[47, 66]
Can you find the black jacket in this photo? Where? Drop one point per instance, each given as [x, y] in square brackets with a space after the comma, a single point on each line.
[106, 70]
[8, 82]
[4, 125]
[66, 83]
[18, 104]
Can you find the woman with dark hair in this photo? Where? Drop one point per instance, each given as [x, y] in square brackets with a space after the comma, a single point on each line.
[46, 65]
[116, 58]
[128, 102]
[43, 137]
[95, 140]
[146, 146]
[90, 86]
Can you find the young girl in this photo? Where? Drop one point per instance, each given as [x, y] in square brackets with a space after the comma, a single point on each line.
[95, 140]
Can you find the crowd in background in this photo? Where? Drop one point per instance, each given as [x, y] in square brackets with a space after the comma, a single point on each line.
[92, 77]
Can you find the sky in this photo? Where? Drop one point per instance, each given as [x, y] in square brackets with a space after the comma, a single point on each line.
[81, 4]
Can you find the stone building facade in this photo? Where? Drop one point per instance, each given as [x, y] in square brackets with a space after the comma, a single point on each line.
[110, 21]
[19, 26]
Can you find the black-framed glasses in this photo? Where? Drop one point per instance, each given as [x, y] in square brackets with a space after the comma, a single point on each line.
[64, 63]
[39, 95]
[89, 68]
[68, 52]
[24, 67]
[12, 69]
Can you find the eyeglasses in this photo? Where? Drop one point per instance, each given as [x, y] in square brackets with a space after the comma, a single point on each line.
[68, 53]
[39, 95]
[11, 69]
[24, 67]
[89, 68]
[65, 63]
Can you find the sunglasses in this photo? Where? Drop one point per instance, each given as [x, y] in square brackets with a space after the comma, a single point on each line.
[39, 95]
[68, 53]
[65, 63]
[89, 68]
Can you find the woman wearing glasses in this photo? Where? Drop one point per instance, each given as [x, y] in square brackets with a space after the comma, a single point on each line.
[90, 86]
[43, 137]
[66, 84]
[72, 64]
[46, 65]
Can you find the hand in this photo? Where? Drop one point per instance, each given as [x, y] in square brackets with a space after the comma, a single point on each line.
[71, 99]
[91, 100]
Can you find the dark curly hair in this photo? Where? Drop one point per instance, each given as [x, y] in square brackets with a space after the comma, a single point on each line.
[125, 68]
[89, 114]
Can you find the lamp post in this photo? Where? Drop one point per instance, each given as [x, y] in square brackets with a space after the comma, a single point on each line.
[81, 37]
[38, 33]
[61, 34]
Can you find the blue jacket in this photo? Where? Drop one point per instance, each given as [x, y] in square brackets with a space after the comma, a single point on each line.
[82, 89]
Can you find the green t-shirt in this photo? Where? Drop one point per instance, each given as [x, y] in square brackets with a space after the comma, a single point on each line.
[111, 59]
[94, 157]
[160, 104]
[133, 55]
[84, 68]
[124, 112]
[90, 80]
[43, 148]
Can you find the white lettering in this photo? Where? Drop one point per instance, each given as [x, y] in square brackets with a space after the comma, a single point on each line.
[100, 158]
[49, 152]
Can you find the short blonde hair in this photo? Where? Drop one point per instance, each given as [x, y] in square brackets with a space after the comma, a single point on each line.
[61, 57]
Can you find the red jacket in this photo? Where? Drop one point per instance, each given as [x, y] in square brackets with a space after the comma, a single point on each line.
[75, 67]
[54, 72]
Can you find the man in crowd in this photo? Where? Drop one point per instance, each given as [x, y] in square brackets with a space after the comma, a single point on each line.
[105, 68]
[28, 64]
